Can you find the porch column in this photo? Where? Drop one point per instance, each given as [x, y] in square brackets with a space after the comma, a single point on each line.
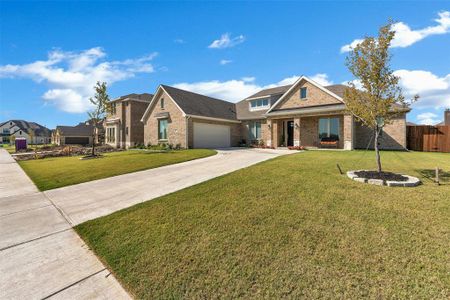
[296, 131]
[348, 132]
[274, 131]
[269, 135]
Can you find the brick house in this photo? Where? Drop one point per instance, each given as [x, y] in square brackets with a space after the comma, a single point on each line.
[304, 113]
[33, 132]
[190, 120]
[81, 134]
[123, 126]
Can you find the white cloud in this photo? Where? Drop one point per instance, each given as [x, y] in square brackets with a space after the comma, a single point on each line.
[356, 82]
[322, 79]
[428, 118]
[179, 41]
[225, 61]
[434, 91]
[405, 36]
[285, 81]
[72, 75]
[233, 90]
[226, 41]
[349, 47]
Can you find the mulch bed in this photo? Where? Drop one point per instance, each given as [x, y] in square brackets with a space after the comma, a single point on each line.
[381, 175]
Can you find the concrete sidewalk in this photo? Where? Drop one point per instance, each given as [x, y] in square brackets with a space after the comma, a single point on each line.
[90, 200]
[40, 254]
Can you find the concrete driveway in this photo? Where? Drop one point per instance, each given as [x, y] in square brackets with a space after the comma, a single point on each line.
[90, 200]
[42, 257]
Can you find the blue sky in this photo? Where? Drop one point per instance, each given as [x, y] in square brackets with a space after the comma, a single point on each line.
[51, 53]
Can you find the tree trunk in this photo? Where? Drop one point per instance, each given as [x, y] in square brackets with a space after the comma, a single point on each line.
[93, 142]
[377, 151]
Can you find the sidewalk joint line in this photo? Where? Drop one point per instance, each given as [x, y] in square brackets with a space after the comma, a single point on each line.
[72, 284]
[35, 239]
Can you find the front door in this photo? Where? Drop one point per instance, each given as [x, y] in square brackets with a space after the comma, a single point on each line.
[290, 133]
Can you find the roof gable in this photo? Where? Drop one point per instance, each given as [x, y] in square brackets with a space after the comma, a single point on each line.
[25, 126]
[313, 83]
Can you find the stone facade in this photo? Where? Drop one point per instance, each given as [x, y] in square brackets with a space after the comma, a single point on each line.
[265, 131]
[314, 96]
[176, 132]
[129, 130]
[393, 136]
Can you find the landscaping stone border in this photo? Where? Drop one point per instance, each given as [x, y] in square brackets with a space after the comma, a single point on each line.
[411, 182]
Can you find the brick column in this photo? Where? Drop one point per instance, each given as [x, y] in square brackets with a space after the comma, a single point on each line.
[297, 131]
[268, 136]
[274, 133]
[348, 132]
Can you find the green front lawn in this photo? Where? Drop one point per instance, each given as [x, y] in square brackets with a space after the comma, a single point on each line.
[50, 173]
[9, 148]
[291, 227]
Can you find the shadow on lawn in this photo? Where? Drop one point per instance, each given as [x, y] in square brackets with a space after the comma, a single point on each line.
[430, 174]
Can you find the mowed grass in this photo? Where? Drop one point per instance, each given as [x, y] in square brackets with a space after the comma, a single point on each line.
[50, 173]
[291, 227]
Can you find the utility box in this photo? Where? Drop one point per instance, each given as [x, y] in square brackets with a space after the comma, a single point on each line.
[21, 143]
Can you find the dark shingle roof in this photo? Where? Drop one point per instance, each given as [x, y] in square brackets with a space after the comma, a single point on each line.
[38, 129]
[79, 130]
[272, 91]
[144, 97]
[200, 105]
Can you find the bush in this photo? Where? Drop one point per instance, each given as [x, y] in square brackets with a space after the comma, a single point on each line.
[296, 148]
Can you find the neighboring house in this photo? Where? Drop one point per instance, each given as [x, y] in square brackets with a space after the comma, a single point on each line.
[123, 125]
[302, 114]
[446, 121]
[80, 134]
[190, 120]
[33, 132]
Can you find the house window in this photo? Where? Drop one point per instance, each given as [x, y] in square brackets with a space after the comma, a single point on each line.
[259, 104]
[111, 134]
[20, 132]
[329, 128]
[303, 93]
[113, 108]
[162, 103]
[254, 130]
[162, 129]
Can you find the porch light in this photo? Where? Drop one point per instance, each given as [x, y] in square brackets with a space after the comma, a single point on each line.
[296, 125]
[269, 125]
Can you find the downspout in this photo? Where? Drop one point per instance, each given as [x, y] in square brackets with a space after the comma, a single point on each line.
[187, 132]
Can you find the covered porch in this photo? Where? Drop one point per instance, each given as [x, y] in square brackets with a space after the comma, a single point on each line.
[312, 131]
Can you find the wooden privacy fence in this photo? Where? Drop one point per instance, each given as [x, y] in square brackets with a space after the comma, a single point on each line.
[428, 138]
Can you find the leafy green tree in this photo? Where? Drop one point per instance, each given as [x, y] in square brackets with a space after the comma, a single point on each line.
[381, 98]
[101, 106]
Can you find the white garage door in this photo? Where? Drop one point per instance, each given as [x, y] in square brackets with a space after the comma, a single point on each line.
[211, 135]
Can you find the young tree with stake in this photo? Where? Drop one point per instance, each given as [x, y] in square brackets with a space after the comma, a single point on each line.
[102, 106]
[380, 99]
